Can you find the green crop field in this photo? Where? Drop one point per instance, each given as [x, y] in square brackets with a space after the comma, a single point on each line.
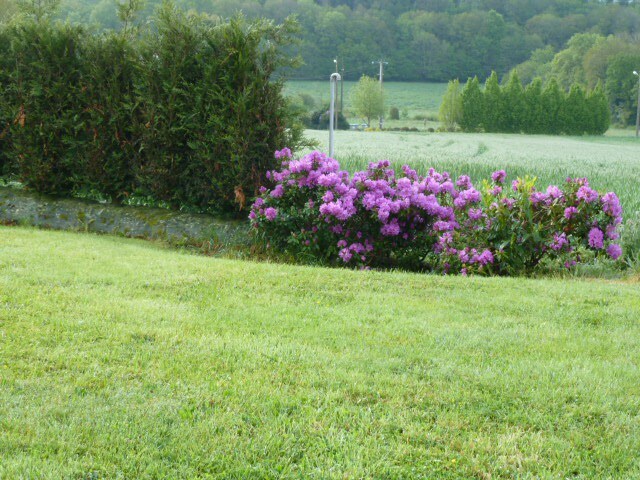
[416, 98]
[610, 163]
[123, 359]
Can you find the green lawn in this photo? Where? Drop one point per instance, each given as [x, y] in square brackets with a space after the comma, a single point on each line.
[123, 359]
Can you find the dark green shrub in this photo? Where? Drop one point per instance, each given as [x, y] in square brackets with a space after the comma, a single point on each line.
[186, 114]
[319, 120]
[6, 117]
[110, 115]
[394, 113]
[47, 134]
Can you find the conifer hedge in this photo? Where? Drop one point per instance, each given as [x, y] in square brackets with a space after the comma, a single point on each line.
[511, 108]
[185, 113]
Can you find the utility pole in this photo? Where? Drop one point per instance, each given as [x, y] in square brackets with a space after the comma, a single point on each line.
[335, 78]
[638, 106]
[335, 120]
[382, 63]
[341, 87]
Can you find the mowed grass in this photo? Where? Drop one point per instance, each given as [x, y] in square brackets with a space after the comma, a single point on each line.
[417, 98]
[122, 359]
[610, 163]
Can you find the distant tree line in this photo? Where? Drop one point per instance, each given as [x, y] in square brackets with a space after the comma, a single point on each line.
[512, 108]
[185, 113]
[423, 40]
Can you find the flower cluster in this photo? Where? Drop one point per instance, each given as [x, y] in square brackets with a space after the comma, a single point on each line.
[380, 218]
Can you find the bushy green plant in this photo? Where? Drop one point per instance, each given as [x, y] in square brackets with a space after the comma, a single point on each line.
[110, 116]
[367, 99]
[377, 218]
[450, 113]
[6, 112]
[46, 84]
[319, 120]
[185, 113]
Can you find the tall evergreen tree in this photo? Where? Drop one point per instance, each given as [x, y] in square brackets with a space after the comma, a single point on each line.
[513, 105]
[574, 115]
[598, 107]
[534, 112]
[492, 120]
[552, 103]
[472, 106]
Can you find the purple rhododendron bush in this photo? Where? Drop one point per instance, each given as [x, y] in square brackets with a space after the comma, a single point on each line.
[382, 219]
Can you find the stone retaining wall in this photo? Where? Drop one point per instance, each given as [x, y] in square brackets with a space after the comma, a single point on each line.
[28, 208]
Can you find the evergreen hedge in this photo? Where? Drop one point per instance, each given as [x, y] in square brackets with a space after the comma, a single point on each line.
[185, 113]
[510, 108]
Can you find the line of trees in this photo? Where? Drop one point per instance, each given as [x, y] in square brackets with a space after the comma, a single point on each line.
[512, 108]
[184, 113]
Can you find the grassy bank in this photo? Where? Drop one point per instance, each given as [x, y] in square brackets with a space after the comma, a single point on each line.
[121, 359]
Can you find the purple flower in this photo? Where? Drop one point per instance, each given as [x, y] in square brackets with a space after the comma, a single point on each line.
[465, 197]
[441, 226]
[554, 192]
[271, 213]
[587, 194]
[538, 197]
[464, 182]
[391, 229]
[475, 213]
[495, 191]
[460, 202]
[611, 204]
[614, 251]
[328, 196]
[559, 241]
[612, 232]
[570, 212]
[345, 254]
[486, 257]
[278, 191]
[499, 176]
[284, 153]
[596, 238]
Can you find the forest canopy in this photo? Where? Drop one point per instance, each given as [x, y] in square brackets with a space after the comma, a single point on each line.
[423, 40]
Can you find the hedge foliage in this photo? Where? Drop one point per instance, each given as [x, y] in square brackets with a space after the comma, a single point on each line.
[185, 113]
[513, 108]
